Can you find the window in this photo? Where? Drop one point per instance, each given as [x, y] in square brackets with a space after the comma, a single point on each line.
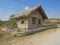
[33, 20]
[22, 22]
[39, 21]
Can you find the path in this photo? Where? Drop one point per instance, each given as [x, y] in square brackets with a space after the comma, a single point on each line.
[48, 37]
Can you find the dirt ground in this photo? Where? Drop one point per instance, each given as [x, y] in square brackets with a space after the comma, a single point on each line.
[48, 37]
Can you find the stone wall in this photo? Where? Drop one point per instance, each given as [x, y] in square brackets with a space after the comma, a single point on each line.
[40, 29]
[37, 16]
[28, 21]
[24, 25]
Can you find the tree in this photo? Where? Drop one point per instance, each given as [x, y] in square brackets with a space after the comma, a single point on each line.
[12, 16]
[0, 23]
[12, 22]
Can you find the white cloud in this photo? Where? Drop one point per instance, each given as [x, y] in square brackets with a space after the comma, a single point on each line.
[5, 15]
[26, 8]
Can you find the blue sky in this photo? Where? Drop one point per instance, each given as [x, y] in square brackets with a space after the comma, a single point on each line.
[9, 7]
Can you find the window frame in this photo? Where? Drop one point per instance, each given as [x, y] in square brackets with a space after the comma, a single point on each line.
[22, 21]
[33, 20]
[39, 22]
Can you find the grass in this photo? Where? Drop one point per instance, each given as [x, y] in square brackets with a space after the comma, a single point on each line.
[5, 37]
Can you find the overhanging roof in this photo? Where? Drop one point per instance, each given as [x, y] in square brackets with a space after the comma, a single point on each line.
[26, 12]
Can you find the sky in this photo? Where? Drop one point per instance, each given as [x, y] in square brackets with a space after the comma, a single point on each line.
[9, 7]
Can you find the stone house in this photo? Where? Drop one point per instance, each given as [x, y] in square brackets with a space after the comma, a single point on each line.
[30, 18]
